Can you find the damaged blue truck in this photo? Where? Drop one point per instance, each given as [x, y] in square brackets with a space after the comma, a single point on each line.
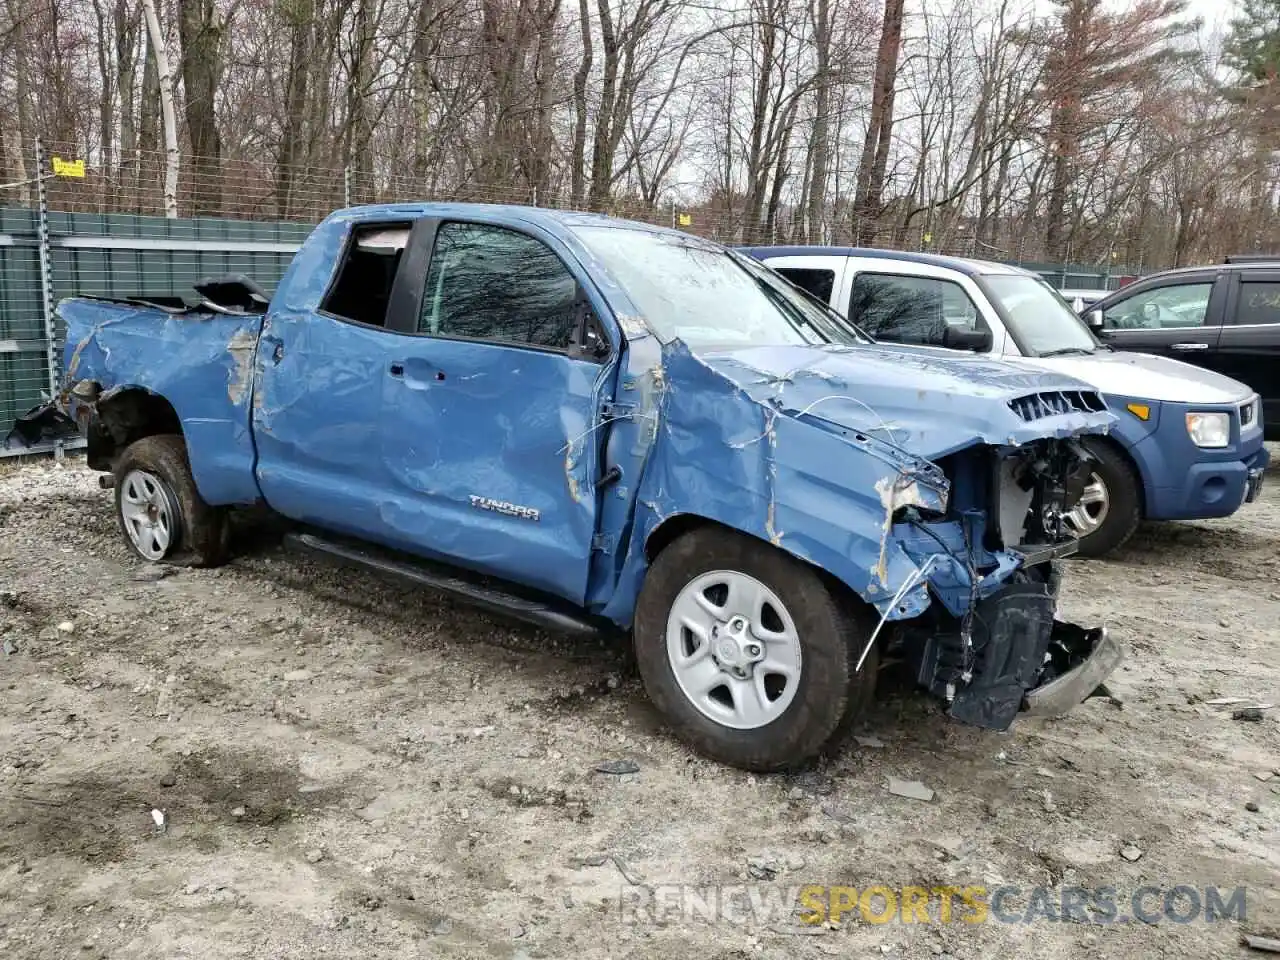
[591, 424]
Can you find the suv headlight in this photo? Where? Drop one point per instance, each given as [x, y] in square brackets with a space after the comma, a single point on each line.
[1209, 429]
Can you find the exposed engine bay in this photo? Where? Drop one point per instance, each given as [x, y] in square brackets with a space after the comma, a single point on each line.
[991, 653]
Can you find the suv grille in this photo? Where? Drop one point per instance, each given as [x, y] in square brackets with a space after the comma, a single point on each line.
[1054, 403]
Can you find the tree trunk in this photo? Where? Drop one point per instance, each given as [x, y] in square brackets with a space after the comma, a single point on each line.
[289, 156]
[815, 220]
[542, 138]
[358, 133]
[164, 80]
[23, 135]
[1064, 121]
[126, 39]
[578, 152]
[420, 91]
[601, 152]
[106, 98]
[201, 36]
[868, 196]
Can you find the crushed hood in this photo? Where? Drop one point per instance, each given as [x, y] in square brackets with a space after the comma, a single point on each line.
[925, 404]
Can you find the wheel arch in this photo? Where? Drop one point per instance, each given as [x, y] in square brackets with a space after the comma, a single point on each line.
[124, 415]
[674, 527]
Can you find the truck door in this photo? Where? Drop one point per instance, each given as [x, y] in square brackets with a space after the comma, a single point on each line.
[322, 377]
[487, 431]
[1249, 349]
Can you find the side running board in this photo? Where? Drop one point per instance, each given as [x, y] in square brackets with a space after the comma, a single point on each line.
[458, 585]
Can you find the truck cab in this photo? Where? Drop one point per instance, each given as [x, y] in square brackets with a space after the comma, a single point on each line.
[1189, 441]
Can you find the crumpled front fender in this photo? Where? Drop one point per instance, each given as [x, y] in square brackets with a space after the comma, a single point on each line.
[720, 455]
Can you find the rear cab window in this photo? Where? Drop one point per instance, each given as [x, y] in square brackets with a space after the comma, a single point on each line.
[361, 289]
[820, 282]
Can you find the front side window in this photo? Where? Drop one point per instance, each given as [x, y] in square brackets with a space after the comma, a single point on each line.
[1259, 302]
[1163, 308]
[904, 309]
[490, 283]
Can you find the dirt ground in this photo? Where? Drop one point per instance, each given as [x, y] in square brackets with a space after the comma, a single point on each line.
[350, 770]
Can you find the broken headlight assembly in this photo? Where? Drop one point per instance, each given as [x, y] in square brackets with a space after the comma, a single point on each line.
[1033, 488]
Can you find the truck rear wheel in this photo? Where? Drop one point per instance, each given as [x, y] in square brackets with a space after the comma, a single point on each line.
[160, 511]
[745, 650]
[1110, 509]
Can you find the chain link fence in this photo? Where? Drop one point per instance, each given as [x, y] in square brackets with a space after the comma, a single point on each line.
[77, 225]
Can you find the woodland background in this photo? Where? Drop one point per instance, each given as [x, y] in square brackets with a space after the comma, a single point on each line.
[1070, 131]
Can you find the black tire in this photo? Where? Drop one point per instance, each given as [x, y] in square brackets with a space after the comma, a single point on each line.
[829, 643]
[1124, 500]
[202, 530]
[862, 683]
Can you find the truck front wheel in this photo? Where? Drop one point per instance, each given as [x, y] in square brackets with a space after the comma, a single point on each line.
[160, 511]
[746, 651]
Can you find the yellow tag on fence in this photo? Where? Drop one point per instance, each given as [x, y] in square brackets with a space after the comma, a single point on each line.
[685, 220]
[68, 168]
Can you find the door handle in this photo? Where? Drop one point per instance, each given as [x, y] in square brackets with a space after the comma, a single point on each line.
[1189, 346]
[415, 371]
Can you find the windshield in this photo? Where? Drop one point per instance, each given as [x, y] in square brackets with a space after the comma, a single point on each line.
[704, 295]
[1040, 321]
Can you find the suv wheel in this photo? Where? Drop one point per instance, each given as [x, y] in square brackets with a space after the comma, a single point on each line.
[745, 650]
[1110, 508]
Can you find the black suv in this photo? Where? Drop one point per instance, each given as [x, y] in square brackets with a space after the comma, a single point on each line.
[1225, 318]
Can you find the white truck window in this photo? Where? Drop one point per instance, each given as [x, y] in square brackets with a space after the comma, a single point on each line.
[905, 309]
[820, 283]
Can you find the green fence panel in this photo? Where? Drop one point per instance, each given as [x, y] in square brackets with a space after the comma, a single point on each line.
[112, 255]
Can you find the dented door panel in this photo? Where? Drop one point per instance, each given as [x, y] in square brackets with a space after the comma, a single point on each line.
[490, 460]
[317, 418]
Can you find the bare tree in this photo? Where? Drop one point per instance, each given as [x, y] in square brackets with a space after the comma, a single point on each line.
[164, 80]
[875, 149]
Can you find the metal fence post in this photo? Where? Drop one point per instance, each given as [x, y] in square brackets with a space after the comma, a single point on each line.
[346, 186]
[46, 281]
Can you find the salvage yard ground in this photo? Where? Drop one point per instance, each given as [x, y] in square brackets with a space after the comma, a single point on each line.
[352, 770]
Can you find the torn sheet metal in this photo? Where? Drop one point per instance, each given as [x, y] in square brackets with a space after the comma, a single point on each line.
[774, 443]
[200, 362]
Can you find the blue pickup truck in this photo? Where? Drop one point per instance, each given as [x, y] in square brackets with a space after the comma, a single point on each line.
[591, 424]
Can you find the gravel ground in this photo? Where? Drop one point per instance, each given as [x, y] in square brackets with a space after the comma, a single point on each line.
[351, 770]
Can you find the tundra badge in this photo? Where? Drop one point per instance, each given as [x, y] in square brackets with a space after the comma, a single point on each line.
[505, 508]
